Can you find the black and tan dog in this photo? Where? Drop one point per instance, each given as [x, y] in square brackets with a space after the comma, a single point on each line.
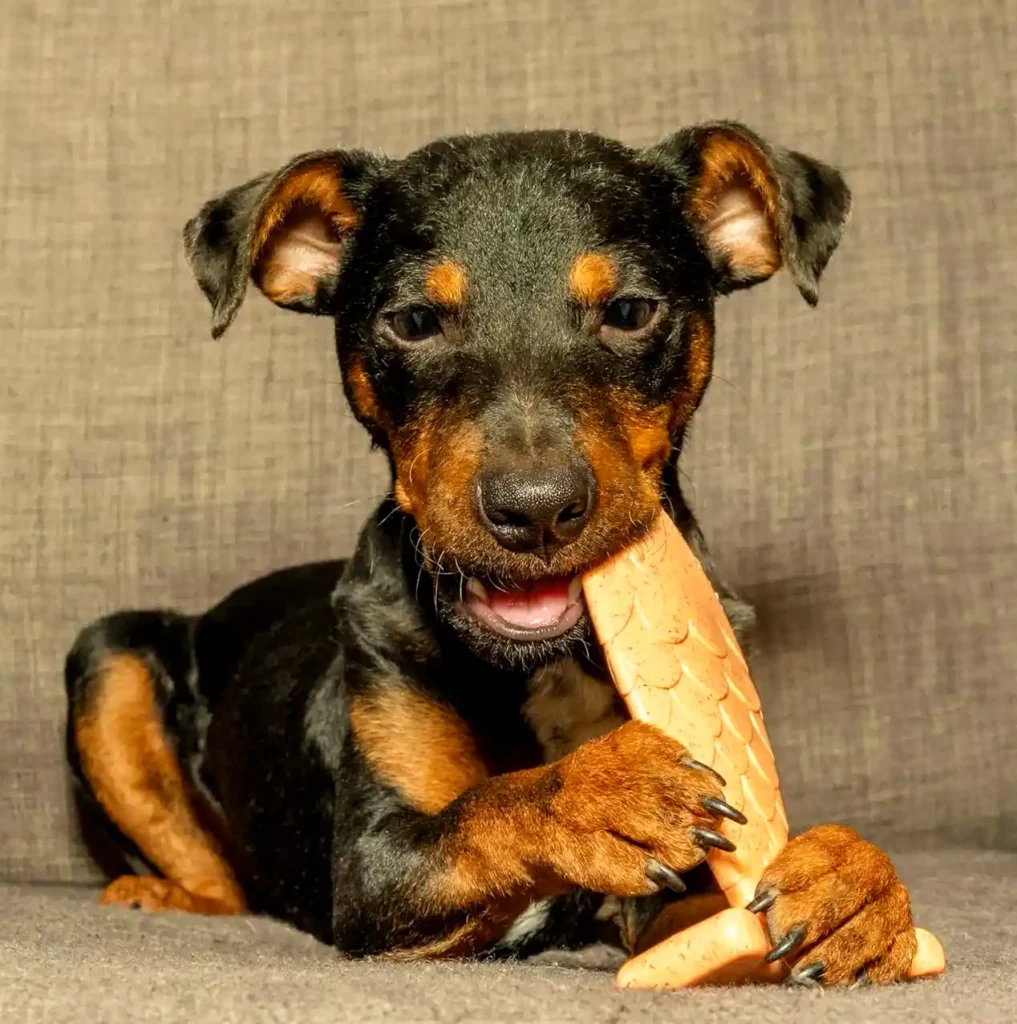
[417, 752]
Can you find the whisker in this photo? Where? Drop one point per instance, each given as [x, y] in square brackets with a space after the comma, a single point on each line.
[361, 500]
[730, 383]
[586, 649]
[670, 505]
[414, 461]
[497, 584]
[388, 515]
[462, 580]
[415, 540]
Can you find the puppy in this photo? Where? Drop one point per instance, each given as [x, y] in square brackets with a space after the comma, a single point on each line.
[418, 752]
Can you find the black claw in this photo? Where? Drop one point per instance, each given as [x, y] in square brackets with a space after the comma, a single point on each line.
[790, 941]
[135, 904]
[763, 901]
[663, 875]
[809, 975]
[724, 809]
[862, 980]
[699, 766]
[707, 837]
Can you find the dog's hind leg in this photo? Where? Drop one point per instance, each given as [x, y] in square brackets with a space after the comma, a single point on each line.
[119, 687]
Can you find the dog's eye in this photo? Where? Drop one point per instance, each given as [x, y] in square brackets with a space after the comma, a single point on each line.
[629, 314]
[415, 323]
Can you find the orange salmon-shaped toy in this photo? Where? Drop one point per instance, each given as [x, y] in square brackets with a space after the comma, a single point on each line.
[677, 665]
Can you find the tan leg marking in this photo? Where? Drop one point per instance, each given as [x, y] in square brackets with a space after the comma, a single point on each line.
[138, 781]
[416, 744]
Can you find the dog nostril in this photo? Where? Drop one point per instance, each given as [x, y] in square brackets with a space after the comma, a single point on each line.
[506, 517]
[572, 512]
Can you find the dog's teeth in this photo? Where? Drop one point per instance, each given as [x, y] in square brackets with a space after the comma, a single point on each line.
[575, 589]
[477, 589]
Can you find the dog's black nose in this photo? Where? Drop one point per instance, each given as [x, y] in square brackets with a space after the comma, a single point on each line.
[537, 510]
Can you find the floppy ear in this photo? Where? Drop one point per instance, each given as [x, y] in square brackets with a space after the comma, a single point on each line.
[757, 207]
[286, 231]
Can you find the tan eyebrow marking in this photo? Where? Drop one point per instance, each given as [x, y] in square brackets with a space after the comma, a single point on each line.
[446, 284]
[592, 278]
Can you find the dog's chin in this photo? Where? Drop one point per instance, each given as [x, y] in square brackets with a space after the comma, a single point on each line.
[521, 626]
[520, 655]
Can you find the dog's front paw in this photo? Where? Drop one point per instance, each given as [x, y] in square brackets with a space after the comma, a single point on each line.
[836, 910]
[632, 812]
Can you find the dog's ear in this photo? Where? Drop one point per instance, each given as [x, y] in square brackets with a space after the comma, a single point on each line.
[756, 207]
[286, 231]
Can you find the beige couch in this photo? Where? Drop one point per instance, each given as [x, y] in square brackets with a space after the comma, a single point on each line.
[855, 466]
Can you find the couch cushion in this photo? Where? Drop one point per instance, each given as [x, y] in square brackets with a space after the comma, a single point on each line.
[855, 465]
[62, 958]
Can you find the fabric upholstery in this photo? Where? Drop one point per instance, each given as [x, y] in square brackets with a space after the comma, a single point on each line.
[855, 466]
[64, 959]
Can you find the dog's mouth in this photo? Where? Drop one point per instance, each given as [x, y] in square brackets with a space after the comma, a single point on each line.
[533, 610]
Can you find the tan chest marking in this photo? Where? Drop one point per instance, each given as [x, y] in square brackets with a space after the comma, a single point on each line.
[567, 707]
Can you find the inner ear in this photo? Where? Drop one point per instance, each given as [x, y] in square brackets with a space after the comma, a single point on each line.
[740, 228]
[735, 198]
[296, 243]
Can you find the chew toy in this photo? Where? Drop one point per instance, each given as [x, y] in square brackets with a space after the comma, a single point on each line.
[677, 665]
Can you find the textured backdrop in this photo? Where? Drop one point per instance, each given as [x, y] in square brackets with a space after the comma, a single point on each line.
[855, 466]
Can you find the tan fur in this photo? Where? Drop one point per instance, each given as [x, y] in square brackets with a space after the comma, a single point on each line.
[647, 430]
[440, 502]
[138, 781]
[143, 892]
[567, 707]
[699, 338]
[446, 285]
[282, 284]
[546, 830]
[422, 748]
[847, 894]
[363, 396]
[592, 278]
[626, 444]
[412, 454]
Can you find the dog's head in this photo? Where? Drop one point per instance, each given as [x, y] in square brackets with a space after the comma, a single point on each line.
[524, 324]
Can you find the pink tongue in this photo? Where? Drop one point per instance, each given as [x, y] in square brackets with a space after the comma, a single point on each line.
[541, 603]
